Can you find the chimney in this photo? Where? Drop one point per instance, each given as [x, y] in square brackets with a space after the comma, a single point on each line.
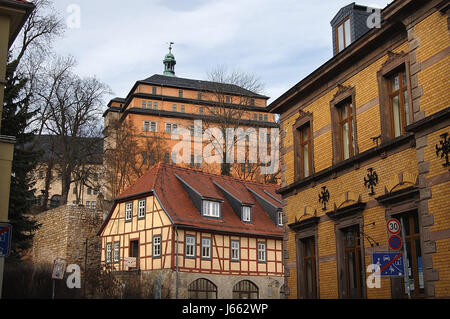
[349, 24]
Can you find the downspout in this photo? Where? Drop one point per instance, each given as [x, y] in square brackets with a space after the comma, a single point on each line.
[176, 263]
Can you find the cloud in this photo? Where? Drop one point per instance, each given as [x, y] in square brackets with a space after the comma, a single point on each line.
[280, 41]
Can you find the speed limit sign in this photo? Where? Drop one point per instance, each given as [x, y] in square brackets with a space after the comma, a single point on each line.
[393, 226]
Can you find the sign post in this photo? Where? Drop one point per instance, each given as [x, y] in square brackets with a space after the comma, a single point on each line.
[406, 263]
[59, 268]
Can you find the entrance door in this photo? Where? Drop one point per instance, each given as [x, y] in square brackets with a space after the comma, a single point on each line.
[134, 252]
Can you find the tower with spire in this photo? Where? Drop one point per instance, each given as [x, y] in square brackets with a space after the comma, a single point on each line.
[169, 62]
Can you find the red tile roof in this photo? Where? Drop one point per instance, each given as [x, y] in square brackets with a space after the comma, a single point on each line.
[164, 181]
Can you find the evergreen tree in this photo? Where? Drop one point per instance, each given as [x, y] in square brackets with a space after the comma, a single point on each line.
[15, 119]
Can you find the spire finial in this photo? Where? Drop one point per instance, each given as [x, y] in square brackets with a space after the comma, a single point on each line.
[169, 62]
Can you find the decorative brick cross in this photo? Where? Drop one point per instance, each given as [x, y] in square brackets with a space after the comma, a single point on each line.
[444, 149]
[371, 180]
[324, 197]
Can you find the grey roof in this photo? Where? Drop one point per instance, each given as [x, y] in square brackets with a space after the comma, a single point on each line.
[90, 148]
[200, 85]
[358, 21]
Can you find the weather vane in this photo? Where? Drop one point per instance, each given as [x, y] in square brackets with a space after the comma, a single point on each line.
[170, 46]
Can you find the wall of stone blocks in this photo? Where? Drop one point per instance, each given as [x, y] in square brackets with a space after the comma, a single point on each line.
[63, 233]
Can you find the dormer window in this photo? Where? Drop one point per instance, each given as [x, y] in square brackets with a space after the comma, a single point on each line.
[280, 218]
[211, 209]
[246, 214]
[343, 35]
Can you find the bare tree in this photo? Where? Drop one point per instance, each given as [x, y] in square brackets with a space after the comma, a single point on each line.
[129, 155]
[233, 92]
[41, 28]
[70, 111]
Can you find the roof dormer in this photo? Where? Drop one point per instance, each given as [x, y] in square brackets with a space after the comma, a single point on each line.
[211, 208]
[207, 206]
[349, 24]
[242, 209]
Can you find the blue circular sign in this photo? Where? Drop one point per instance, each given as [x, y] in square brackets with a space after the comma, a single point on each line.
[395, 242]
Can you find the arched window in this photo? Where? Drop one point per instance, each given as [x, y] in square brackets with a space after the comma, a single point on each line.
[202, 289]
[245, 289]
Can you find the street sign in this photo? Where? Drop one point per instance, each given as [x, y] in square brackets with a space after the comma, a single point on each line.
[391, 264]
[393, 226]
[395, 242]
[5, 239]
[59, 268]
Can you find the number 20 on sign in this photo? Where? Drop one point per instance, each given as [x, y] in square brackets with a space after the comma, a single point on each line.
[393, 226]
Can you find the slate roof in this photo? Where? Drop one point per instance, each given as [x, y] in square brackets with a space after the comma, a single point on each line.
[201, 85]
[88, 147]
[179, 190]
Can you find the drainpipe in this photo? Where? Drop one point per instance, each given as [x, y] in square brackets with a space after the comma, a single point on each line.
[176, 263]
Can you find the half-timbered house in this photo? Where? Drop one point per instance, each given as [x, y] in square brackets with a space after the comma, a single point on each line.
[197, 235]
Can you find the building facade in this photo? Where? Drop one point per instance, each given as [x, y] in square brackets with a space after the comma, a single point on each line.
[13, 15]
[364, 140]
[87, 184]
[197, 235]
[157, 106]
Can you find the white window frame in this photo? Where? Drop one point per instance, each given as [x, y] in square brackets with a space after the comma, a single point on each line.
[190, 246]
[344, 38]
[146, 126]
[206, 248]
[211, 209]
[280, 218]
[156, 247]
[129, 211]
[108, 252]
[116, 252]
[261, 252]
[149, 126]
[88, 204]
[246, 214]
[152, 126]
[93, 204]
[170, 127]
[141, 208]
[235, 247]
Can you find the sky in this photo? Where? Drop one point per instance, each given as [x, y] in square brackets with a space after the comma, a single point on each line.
[121, 42]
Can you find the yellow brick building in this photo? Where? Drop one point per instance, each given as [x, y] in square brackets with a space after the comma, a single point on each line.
[363, 140]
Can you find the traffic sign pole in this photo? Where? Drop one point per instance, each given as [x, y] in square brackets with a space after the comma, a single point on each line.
[405, 261]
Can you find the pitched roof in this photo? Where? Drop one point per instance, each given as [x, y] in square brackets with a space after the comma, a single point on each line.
[181, 190]
[201, 85]
[90, 148]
